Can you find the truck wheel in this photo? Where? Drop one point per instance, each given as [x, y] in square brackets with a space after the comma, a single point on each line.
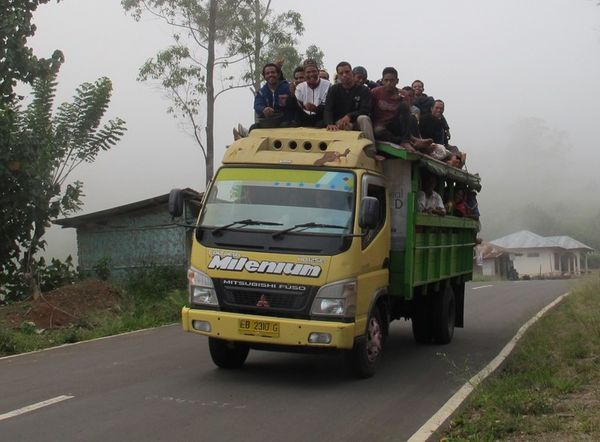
[421, 320]
[444, 316]
[367, 350]
[228, 354]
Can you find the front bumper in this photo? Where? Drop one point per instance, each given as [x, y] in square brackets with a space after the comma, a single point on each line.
[292, 332]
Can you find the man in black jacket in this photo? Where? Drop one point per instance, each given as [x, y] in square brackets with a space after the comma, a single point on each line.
[348, 105]
[432, 124]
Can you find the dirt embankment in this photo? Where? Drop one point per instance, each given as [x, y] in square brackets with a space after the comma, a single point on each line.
[64, 306]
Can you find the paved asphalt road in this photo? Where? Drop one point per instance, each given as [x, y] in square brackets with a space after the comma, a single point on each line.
[161, 384]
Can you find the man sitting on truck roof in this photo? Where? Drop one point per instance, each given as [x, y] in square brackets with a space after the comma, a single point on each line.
[428, 200]
[298, 80]
[392, 118]
[391, 115]
[434, 126]
[311, 96]
[271, 102]
[408, 94]
[360, 77]
[348, 105]
[431, 124]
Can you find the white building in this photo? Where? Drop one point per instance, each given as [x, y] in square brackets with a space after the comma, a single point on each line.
[535, 255]
[491, 260]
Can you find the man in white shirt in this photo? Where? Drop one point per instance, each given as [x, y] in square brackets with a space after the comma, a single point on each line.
[428, 200]
[311, 96]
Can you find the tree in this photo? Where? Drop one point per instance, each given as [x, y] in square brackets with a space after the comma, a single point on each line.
[264, 37]
[41, 151]
[17, 62]
[211, 38]
[187, 72]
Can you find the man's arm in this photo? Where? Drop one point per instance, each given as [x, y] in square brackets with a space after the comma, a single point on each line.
[439, 204]
[328, 113]
[364, 107]
[260, 103]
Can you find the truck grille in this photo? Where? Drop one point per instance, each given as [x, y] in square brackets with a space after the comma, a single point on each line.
[272, 299]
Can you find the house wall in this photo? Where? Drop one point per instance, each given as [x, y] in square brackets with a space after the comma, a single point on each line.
[533, 262]
[133, 240]
[488, 268]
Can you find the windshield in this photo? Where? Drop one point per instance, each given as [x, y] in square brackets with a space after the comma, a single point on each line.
[287, 197]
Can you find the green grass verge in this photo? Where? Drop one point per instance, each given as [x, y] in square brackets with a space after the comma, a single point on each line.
[134, 312]
[549, 388]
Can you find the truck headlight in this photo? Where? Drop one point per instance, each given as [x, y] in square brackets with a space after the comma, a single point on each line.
[336, 299]
[201, 288]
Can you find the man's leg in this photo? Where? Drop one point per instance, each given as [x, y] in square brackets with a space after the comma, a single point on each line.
[383, 134]
[363, 123]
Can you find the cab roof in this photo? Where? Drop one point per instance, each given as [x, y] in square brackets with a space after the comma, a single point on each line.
[302, 146]
[320, 147]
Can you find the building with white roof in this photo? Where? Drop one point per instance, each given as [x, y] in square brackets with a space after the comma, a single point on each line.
[536, 255]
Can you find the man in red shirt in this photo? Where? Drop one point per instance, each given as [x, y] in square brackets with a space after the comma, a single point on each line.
[392, 115]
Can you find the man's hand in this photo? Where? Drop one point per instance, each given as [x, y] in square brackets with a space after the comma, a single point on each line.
[268, 112]
[332, 127]
[343, 122]
[310, 107]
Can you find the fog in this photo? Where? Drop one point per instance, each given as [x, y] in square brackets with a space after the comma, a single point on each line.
[519, 79]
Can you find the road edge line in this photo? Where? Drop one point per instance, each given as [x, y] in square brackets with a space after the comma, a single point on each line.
[33, 407]
[86, 341]
[429, 428]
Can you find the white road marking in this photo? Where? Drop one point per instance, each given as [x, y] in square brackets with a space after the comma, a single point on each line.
[430, 427]
[482, 287]
[33, 407]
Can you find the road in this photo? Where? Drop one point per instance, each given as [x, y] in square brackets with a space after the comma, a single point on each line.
[160, 384]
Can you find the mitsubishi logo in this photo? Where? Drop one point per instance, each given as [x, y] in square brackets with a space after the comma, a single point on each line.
[263, 302]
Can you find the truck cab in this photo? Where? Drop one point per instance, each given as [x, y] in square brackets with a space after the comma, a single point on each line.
[306, 243]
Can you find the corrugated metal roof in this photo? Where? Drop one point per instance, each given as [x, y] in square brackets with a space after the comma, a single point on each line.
[490, 251]
[525, 239]
[189, 194]
[566, 242]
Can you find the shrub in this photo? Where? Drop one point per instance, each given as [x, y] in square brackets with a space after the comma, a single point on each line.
[102, 268]
[56, 274]
[593, 260]
[154, 281]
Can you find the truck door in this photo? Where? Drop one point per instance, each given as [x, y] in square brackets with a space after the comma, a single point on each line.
[375, 245]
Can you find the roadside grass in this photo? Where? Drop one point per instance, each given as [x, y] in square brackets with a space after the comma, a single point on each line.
[145, 301]
[549, 387]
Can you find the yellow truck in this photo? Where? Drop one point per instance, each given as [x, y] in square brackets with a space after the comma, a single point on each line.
[304, 242]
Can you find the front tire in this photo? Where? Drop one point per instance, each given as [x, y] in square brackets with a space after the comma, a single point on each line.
[368, 349]
[228, 354]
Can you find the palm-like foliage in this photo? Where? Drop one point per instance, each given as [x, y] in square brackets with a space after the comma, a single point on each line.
[41, 149]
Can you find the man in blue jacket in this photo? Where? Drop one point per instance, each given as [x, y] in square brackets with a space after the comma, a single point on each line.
[272, 103]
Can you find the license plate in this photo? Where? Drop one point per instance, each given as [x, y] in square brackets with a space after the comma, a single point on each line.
[252, 327]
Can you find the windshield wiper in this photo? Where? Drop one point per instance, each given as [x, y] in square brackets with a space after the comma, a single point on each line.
[245, 222]
[305, 226]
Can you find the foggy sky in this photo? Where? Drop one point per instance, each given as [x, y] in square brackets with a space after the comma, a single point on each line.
[495, 64]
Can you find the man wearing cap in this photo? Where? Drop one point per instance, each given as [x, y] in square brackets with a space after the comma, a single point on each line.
[360, 77]
[311, 96]
[348, 105]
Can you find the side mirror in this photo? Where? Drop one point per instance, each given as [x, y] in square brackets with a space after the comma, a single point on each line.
[369, 213]
[176, 203]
